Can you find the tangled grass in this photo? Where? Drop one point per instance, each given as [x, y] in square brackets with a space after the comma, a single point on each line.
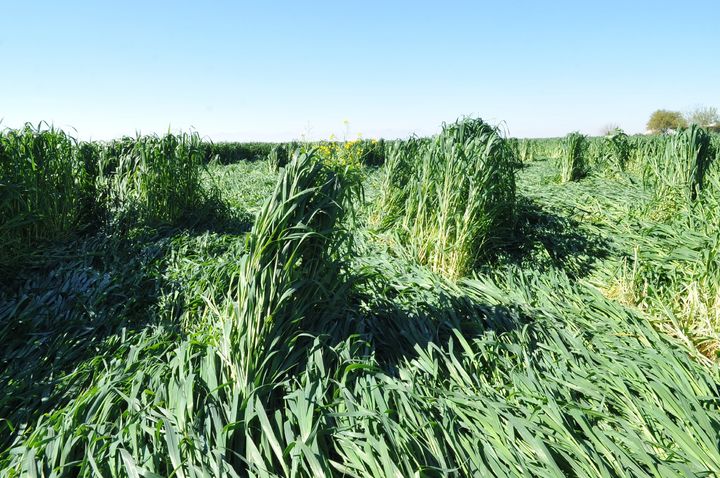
[309, 347]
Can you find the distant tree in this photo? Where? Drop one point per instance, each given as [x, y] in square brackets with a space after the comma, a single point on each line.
[703, 116]
[609, 128]
[663, 121]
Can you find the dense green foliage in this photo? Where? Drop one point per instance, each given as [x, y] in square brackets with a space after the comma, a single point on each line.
[284, 336]
[45, 191]
[573, 164]
[53, 188]
[156, 179]
[620, 148]
[666, 223]
[229, 153]
[279, 156]
[375, 152]
[522, 149]
[448, 197]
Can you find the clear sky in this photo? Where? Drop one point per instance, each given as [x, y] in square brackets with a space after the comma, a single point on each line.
[278, 70]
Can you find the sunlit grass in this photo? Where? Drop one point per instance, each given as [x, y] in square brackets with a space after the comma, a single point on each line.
[305, 345]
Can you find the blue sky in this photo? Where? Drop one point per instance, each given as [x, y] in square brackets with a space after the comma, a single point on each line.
[279, 70]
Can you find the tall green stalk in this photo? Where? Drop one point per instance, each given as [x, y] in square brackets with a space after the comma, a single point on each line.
[157, 179]
[448, 197]
[678, 170]
[44, 190]
[620, 148]
[573, 164]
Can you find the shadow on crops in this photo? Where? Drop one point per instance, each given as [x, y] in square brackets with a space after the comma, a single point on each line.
[400, 311]
[75, 302]
[392, 325]
[223, 221]
[543, 239]
[63, 313]
[397, 330]
[212, 215]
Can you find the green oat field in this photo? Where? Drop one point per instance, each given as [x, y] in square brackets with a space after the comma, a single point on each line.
[464, 304]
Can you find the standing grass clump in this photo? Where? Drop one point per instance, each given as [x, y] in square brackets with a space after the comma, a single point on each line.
[291, 276]
[514, 147]
[90, 155]
[44, 190]
[572, 161]
[375, 151]
[678, 173]
[219, 402]
[546, 148]
[648, 148]
[525, 151]
[694, 150]
[157, 179]
[279, 156]
[52, 187]
[522, 149]
[595, 153]
[446, 199]
[620, 148]
[169, 181]
[332, 360]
